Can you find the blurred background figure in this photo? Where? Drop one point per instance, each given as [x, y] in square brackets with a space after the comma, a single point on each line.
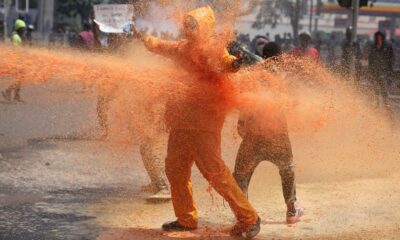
[86, 37]
[257, 44]
[304, 48]
[351, 56]
[260, 43]
[57, 36]
[18, 38]
[318, 41]
[380, 67]
[29, 39]
[331, 45]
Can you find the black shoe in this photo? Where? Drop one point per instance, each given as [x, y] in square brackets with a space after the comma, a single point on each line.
[175, 226]
[249, 231]
[253, 230]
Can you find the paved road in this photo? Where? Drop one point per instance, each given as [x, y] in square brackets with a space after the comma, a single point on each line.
[82, 188]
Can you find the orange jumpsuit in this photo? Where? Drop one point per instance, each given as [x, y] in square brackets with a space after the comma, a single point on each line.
[195, 119]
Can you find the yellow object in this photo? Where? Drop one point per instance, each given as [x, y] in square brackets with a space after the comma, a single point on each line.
[16, 39]
[19, 24]
[195, 120]
[198, 46]
[204, 19]
[186, 147]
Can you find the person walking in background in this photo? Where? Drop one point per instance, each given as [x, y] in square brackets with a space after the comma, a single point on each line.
[265, 138]
[331, 45]
[86, 37]
[152, 140]
[304, 49]
[351, 56]
[18, 38]
[287, 43]
[380, 67]
[318, 42]
[29, 37]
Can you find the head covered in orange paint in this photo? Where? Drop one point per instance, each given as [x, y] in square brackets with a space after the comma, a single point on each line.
[199, 23]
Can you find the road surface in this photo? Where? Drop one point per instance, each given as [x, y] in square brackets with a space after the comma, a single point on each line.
[58, 183]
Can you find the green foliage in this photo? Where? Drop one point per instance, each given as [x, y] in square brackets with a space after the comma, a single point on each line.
[82, 8]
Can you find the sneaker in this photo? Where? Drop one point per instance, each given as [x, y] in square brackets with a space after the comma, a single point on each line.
[163, 195]
[292, 218]
[249, 231]
[6, 96]
[175, 226]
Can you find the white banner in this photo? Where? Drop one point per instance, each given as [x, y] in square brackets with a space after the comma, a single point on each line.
[112, 18]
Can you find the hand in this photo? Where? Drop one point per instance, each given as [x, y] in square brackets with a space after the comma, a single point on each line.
[238, 62]
[149, 42]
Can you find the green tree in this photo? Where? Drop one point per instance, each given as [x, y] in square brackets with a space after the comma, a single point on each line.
[74, 8]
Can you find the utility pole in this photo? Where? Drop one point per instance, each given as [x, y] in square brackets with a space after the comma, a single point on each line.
[296, 19]
[317, 15]
[311, 16]
[7, 4]
[393, 26]
[355, 12]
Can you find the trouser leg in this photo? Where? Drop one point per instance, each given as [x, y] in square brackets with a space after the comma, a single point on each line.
[281, 155]
[385, 97]
[17, 90]
[151, 152]
[376, 88]
[288, 186]
[103, 103]
[178, 167]
[13, 87]
[208, 160]
[245, 165]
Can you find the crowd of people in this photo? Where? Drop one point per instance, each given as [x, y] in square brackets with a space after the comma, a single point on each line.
[379, 58]
[195, 123]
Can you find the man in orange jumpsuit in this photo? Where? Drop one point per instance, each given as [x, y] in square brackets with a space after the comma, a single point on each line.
[195, 119]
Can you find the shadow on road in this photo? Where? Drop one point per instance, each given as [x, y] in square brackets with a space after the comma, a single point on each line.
[150, 234]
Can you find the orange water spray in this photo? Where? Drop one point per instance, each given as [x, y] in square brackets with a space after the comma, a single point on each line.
[312, 98]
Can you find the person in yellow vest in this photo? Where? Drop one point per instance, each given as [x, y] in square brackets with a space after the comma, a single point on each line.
[17, 39]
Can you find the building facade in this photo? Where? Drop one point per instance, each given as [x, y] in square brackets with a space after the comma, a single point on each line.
[38, 13]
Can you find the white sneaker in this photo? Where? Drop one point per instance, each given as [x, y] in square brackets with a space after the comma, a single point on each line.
[163, 195]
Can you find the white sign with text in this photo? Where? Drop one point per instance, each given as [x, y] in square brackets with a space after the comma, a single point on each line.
[112, 18]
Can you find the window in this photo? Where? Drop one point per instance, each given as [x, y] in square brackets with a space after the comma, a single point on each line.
[22, 5]
[34, 4]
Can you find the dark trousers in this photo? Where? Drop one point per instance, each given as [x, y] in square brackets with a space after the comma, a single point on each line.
[103, 105]
[380, 85]
[276, 149]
